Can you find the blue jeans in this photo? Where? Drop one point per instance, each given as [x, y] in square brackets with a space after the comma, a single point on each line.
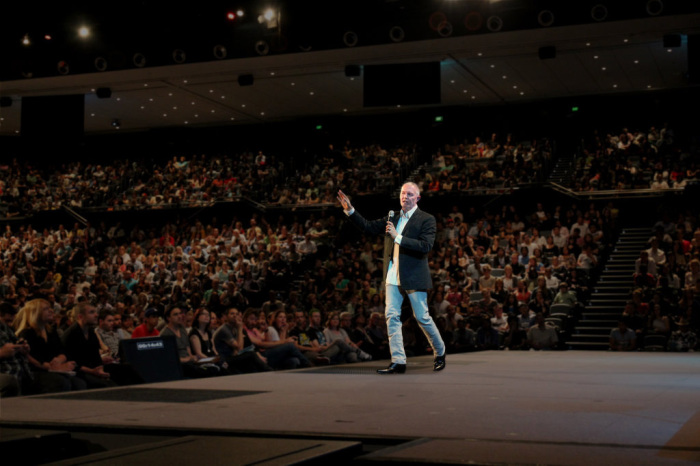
[419, 304]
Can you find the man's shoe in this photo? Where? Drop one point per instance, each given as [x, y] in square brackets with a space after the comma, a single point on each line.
[439, 363]
[393, 368]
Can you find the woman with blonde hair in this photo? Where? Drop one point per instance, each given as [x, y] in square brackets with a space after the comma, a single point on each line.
[34, 324]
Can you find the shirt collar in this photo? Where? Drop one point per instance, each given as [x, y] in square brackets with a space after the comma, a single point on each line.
[409, 213]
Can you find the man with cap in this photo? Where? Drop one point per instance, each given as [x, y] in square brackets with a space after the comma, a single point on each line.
[148, 327]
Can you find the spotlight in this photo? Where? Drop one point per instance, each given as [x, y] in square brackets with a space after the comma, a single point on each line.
[100, 64]
[84, 32]
[350, 38]
[445, 29]
[494, 23]
[179, 56]
[599, 12]
[116, 123]
[262, 47]
[655, 7]
[545, 18]
[63, 67]
[139, 60]
[220, 52]
[396, 34]
[25, 40]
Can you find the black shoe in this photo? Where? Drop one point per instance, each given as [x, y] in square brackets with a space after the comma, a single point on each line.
[439, 363]
[393, 368]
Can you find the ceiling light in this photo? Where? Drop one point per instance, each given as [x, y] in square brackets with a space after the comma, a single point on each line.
[84, 32]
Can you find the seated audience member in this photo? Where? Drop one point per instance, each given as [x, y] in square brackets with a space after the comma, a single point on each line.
[337, 351]
[282, 354]
[565, 296]
[175, 328]
[16, 374]
[683, 339]
[463, 337]
[487, 337]
[376, 331]
[333, 332]
[109, 339]
[541, 336]
[200, 335]
[516, 337]
[148, 327]
[623, 338]
[235, 348]
[34, 324]
[83, 347]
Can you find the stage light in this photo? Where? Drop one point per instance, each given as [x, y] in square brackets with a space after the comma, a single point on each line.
[84, 32]
[26, 41]
[231, 16]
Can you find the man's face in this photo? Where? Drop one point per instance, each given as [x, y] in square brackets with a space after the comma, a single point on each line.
[409, 197]
[107, 324]
[316, 319]
[90, 316]
[300, 319]
[8, 318]
[175, 317]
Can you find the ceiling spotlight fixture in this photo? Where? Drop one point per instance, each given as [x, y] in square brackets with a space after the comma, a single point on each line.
[599, 12]
[545, 18]
[494, 23]
[116, 123]
[25, 40]
[445, 29]
[63, 67]
[139, 60]
[397, 34]
[262, 47]
[350, 39]
[101, 64]
[179, 56]
[655, 7]
[220, 52]
[84, 32]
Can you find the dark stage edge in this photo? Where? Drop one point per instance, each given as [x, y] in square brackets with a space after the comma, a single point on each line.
[556, 408]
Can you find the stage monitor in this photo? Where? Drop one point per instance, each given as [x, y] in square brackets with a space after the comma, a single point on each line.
[155, 359]
[401, 84]
[53, 119]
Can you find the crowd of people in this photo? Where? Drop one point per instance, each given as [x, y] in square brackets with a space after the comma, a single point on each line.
[294, 294]
[260, 294]
[634, 159]
[664, 306]
[493, 164]
[200, 180]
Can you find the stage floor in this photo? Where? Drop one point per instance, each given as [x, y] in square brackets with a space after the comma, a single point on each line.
[568, 408]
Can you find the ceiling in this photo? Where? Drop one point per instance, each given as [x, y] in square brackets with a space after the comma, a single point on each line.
[477, 70]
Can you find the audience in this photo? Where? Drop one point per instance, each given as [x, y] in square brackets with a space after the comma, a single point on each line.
[496, 272]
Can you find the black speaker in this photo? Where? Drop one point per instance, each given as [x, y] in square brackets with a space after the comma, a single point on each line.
[103, 92]
[49, 119]
[245, 80]
[672, 40]
[5, 101]
[352, 71]
[155, 359]
[401, 84]
[547, 53]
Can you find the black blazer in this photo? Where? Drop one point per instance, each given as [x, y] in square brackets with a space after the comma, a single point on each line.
[417, 240]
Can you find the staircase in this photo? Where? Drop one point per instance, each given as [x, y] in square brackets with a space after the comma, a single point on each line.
[611, 292]
[563, 171]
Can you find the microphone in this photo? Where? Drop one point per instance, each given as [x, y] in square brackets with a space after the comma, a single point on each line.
[391, 215]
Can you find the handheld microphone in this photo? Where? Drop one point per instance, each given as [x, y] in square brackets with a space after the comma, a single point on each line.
[391, 215]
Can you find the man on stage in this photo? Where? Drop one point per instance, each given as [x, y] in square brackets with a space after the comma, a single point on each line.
[410, 235]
